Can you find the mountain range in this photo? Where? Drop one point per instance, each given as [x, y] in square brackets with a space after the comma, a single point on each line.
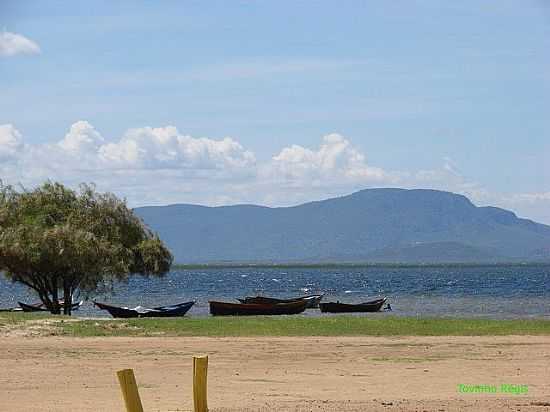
[372, 225]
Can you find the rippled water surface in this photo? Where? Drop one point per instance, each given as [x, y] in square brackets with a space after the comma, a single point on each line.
[493, 292]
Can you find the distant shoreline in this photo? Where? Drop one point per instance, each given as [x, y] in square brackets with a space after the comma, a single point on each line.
[344, 265]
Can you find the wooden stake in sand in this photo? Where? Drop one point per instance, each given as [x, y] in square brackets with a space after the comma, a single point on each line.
[129, 389]
[200, 369]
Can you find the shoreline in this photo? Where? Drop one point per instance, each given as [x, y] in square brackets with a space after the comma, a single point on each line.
[347, 265]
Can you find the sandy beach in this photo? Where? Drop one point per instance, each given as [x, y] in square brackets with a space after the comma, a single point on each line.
[290, 374]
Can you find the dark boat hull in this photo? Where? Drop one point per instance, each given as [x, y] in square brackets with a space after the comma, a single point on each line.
[117, 312]
[312, 301]
[41, 308]
[337, 307]
[170, 311]
[158, 312]
[256, 309]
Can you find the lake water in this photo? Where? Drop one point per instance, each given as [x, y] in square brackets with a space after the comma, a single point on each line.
[499, 292]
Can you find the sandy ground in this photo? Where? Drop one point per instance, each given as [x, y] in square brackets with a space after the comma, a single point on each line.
[288, 374]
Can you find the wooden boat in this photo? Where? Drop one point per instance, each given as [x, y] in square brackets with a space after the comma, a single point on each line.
[247, 309]
[337, 307]
[170, 311]
[312, 301]
[40, 307]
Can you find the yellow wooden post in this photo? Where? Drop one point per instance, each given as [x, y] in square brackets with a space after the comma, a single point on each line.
[129, 389]
[200, 369]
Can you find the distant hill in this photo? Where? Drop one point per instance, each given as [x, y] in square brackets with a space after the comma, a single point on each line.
[373, 225]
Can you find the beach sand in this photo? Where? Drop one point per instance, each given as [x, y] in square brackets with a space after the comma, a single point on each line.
[288, 374]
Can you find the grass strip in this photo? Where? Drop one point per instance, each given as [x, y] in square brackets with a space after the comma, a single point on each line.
[369, 325]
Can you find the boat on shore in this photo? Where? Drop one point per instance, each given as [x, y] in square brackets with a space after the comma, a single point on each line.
[254, 309]
[40, 307]
[337, 307]
[312, 301]
[169, 311]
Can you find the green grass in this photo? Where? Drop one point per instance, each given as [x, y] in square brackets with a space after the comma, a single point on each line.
[370, 325]
[16, 318]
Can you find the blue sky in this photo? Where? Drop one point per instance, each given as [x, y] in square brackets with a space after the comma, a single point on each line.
[453, 96]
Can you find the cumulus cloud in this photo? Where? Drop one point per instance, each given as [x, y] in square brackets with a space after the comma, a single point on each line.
[165, 147]
[161, 165]
[11, 142]
[335, 160]
[82, 139]
[12, 44]
[84, 154]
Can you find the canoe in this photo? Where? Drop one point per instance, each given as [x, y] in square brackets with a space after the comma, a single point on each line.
[141, 312]
[169, 311]
[248, 309]
[312, 301]
[40, 307]
[337, 307]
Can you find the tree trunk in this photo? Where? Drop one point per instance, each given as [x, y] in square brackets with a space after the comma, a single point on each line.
[56, 307]
[51, 304]
[68, 297]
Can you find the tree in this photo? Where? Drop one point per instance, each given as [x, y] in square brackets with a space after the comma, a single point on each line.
[58, 241]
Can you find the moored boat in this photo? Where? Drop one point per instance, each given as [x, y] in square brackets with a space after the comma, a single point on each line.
[337, 307]
[169, 311]
[251, 309]
[312, 301]
[40, 307]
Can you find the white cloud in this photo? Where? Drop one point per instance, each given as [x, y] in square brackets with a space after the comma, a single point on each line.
[160, 165]
[84, 154]
[12, 44]
[82, 139]
[165, 147]
[336, 160]
[11, 142]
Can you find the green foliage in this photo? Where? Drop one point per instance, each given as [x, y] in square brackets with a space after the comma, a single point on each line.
[55, 239]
